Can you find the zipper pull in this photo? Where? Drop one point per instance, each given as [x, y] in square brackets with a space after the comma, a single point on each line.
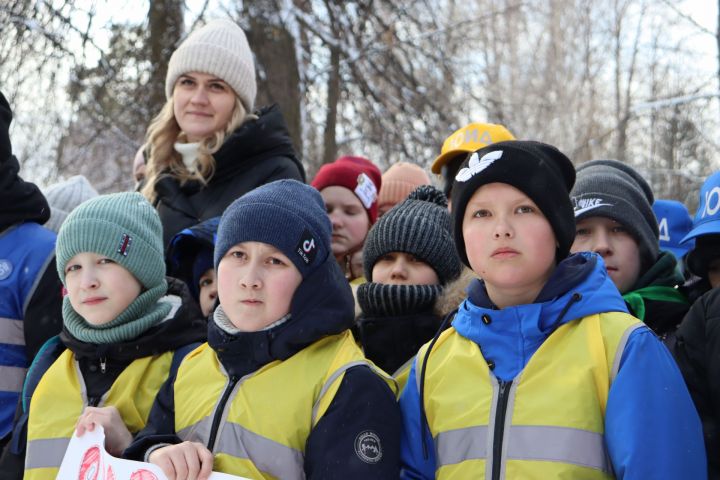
[103, 364]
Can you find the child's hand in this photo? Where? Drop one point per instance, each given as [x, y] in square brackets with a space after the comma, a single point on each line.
[185, 461]
[117, 436]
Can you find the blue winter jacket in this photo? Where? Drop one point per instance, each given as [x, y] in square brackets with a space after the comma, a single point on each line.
[652, 429]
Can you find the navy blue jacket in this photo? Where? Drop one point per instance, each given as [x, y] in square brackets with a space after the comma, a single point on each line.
[322, 305]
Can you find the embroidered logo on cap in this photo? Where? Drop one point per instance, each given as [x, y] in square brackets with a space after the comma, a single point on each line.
[6, 268]
[582, 205]
[477, 165]
[368, 447]
[366, 190]
[125, 241]
[306, 247]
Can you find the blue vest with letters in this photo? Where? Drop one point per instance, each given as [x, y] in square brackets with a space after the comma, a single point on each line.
[25, 251]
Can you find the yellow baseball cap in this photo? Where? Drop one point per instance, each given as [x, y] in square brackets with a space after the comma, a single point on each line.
[468, 139]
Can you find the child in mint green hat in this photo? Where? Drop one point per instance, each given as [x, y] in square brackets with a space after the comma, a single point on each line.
[125, 328]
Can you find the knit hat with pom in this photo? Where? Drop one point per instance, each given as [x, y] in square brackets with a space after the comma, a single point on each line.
[420, 226]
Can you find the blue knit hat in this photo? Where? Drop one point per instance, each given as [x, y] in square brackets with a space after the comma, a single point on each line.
[286, 214]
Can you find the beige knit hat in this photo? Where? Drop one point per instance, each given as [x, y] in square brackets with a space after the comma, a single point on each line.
[399, 180]
[219, 48]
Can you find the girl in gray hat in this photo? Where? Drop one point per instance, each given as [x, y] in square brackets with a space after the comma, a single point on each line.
[208, 145]
[409, 256]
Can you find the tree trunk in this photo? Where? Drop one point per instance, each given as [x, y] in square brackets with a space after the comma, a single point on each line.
[165, 25]
[333, 97]
[278, 74]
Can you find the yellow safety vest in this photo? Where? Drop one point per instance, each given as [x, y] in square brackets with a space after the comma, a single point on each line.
[268, 414]
[60, 398]
[554, 421]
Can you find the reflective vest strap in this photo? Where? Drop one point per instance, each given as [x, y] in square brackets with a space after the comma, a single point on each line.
[558, 444]
[46, 452]
[543, 443]
[621, 348]
[12, 331]
[455, 446]
[11, 379]
[198, 432]
[267, 455]
[405, 366]
[326, 386]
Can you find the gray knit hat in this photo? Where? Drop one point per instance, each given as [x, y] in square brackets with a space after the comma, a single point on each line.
[124, 227]
[420, 226]
[64, 196]
[612, 189]
[219, 48]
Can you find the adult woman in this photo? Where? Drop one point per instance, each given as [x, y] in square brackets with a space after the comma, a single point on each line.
[206, 148]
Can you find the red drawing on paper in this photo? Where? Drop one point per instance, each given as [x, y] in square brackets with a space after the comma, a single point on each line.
[110, 474]
[143, 474]
[90, 465]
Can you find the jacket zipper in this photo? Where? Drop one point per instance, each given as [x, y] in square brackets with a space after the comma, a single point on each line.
[499, 430]
[219, 411]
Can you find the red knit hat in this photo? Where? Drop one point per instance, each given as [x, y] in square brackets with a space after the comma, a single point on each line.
[357, 174]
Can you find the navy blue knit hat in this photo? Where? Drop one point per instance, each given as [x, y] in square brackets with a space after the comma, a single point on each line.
[286, 214]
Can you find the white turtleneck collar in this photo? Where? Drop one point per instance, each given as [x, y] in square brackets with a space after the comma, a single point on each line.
[189, 153]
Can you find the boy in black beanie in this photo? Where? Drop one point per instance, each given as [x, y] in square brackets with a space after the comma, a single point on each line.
[614, 216]
[408, 257]
[542, 373]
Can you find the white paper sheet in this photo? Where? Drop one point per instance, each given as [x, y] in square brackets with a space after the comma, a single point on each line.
[86, 459]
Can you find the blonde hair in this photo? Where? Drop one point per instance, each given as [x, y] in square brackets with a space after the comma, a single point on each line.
[162, 158]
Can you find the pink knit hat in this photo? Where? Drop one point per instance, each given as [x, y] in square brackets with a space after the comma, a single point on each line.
[398, 181]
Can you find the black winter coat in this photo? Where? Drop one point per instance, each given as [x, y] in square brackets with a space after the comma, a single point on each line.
[186, 327]
[697, 352]
[322, 305]
[258, 152]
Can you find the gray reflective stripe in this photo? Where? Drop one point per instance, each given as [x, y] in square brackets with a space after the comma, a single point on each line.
[404, 366]
[12, 378]
[545, 443]
[267, 455]
[198, 432]
[621, 348]
[558, 444]
[329, 382]
[11, 331]
[455, 446]
[417, 371]
[44, 453]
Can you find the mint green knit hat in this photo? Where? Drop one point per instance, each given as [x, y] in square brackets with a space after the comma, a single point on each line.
[125, 228]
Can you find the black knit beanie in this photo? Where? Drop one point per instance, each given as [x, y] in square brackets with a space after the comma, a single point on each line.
[612, 189]
[707, 249]
[540, 171]
[420, 226]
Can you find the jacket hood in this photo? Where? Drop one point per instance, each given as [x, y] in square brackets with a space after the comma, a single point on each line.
[186, 326]
[189, 254]
[267, 136]
[579, 286]
[662, 273]
[20, 201]
[322, 305]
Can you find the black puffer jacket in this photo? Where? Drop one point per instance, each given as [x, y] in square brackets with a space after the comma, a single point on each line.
[258, 152]
[185, 328]
[697, 352]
